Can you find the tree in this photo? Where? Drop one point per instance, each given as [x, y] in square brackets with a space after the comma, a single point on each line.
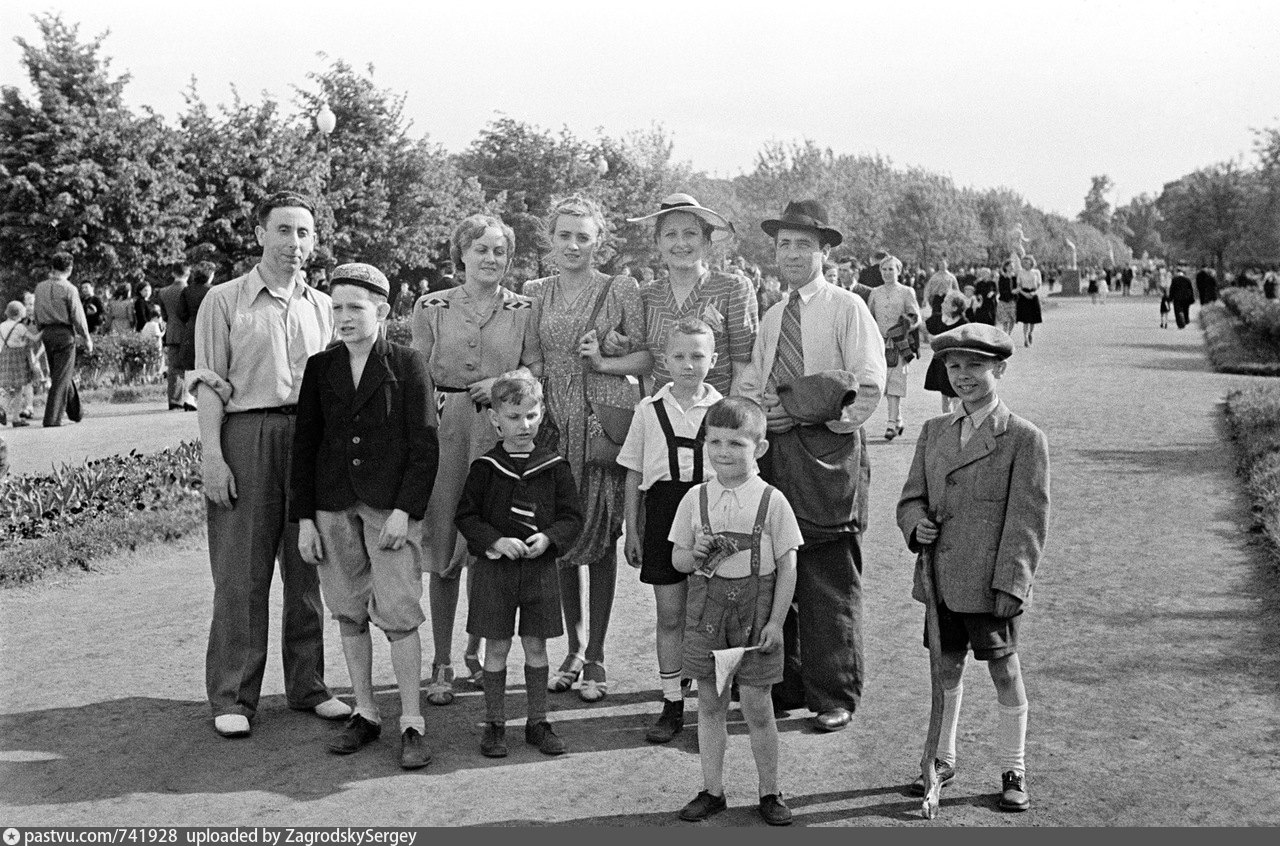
[998, 211]
[1139, 221]
[930, 219]
[80, 173]
[1206, 212]
[1097, 211]
[393, 201]
[237, 155]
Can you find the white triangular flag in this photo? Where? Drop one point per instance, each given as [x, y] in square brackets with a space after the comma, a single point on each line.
[727, 661]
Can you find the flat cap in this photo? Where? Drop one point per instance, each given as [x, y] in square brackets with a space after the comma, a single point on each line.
[977, 338]
[365, 275]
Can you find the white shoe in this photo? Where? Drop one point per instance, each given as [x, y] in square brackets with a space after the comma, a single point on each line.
[231, 725]
[333, 709]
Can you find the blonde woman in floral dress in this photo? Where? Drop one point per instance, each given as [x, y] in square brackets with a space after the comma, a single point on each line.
[571, 344]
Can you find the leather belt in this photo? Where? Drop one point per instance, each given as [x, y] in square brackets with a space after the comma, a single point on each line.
[271, 409]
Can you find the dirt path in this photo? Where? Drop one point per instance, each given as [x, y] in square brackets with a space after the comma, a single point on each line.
[105, 430]
[1150, 657]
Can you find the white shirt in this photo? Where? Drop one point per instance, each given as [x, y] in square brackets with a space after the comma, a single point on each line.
[972, 421]
[837, 333]
[645, 449]
[734, 510]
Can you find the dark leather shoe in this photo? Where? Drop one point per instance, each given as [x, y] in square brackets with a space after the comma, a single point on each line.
[669, 724]
[703, 806]
[774, 810]
[1013, 795]
[833, 720]
[493, 744]
[945, 772]
[186, 406]
[356, 733]
[413, 751]
[543, 736]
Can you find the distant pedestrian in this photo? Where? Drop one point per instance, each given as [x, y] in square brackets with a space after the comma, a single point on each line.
[1206, 285]
[17, 369]
[174, 332]
[60, 318]
[1183, 295]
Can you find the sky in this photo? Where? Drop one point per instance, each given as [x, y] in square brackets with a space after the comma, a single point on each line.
[1032, 96]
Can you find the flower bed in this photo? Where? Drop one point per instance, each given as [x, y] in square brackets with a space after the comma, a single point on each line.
[1253, 415]
[74, 515]
[1235, 346]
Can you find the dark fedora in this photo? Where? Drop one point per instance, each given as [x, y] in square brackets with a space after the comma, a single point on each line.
[805, 214]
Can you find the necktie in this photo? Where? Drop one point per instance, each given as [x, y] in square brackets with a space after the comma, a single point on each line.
[966, 430]
[788, 361]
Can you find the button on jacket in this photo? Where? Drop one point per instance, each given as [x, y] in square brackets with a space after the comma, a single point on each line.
[373, 442]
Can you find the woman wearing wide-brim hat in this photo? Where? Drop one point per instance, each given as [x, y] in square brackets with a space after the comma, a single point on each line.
[685, 234]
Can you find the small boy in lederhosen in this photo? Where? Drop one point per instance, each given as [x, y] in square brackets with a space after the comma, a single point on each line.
[738, 538]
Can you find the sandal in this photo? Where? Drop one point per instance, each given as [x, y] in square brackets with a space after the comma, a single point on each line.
[440, 688]
[593, 689]
[475, 670]
[568, 673]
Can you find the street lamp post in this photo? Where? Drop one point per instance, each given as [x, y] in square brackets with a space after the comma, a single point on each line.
[325, 122]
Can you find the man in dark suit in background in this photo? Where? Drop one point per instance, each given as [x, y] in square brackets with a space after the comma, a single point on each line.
[1206, 285]
[1183, 295]
[188, 306]
[870, 275]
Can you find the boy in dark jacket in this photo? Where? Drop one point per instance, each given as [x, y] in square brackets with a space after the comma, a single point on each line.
[364, 462]
[519, 512]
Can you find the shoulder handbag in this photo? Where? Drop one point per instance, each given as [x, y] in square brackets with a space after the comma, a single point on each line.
[607, 420]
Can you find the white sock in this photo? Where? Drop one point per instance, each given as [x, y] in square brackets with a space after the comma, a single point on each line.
[671, 691]
[1013, 738]
[950, 720]
[415, 723]
[371, 715]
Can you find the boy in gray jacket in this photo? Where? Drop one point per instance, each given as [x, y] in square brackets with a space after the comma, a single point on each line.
[978, 492]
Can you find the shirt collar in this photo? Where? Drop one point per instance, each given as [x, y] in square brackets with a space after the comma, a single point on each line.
[745, 491]
[255, 284]
[978, 416]
[812, 288]
[710, 398]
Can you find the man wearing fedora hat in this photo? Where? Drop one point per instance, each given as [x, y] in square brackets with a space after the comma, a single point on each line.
[817, 388]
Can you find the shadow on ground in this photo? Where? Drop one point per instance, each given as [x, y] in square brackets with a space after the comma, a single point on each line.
[899, 806]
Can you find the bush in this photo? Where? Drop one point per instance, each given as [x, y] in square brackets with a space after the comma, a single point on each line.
[1233, 346]
[1253, 415]
[117, 360]
[400, 330]
[76, 514]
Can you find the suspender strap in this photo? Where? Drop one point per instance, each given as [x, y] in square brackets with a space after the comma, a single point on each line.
[703, 508]
[762, 518]
[675, 442]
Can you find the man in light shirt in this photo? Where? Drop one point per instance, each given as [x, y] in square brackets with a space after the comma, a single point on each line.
[821, 467]
[253, 337]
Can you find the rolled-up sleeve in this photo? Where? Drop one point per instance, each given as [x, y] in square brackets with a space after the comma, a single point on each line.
[213, 333]
[862, 352]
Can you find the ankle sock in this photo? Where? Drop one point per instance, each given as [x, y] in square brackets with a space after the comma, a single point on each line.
[370, 714]
[535, 683]
[950, 721]
[671, 690]
[495, 696]
[1012, 738]
[415, 723]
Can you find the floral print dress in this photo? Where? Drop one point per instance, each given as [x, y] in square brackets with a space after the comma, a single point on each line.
[561, 323]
